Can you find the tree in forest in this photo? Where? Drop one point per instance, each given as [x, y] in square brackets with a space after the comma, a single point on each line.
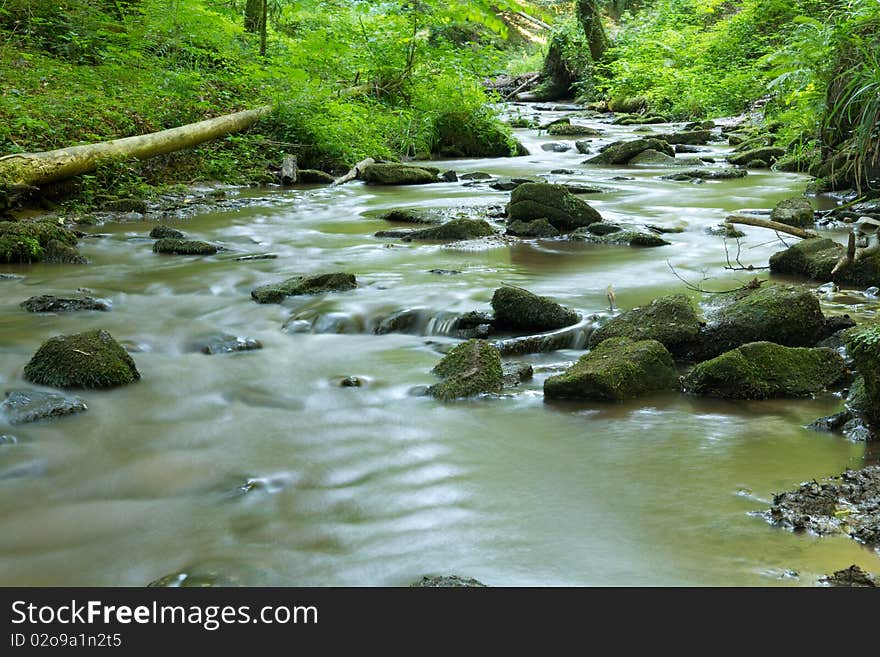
[590, 20]
[566, 62]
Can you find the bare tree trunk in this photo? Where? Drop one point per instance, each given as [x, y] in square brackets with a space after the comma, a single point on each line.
[590, 18]
[253, 12]
[50, 166]
[772, 225]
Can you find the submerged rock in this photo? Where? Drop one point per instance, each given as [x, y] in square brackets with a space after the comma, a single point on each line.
[227, 344]
[786, 315]
[554, 203]
[534, 228]
[472, 368]
[671, 320]
[816, 258]
[845, 504]
[793, 212]
[621, 152]
[177, 246]
[22, 406]
[47, 303]
[85, 360]
[446, 581]
[616, 370]
[304, 285]
[165, 232]
[398, 174]
[520, 310]
[761, 370]
[451, 231]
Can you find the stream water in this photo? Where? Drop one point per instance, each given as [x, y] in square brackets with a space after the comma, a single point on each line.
[257, 468]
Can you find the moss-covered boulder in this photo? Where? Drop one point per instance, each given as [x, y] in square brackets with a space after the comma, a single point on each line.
[85, 360]
[722, 173]
[162, 232]
[398, 174]
[687, 137]
[27, 241]
[863, 346]
[793, 212]
[452, 231]
[670, 320]
[304, 285]
[761, 370]
[176, 246]
[314, 177]
[534, 228]
[458, 135]
[616, 370]
[520, 310]
[816, 258]
[786, 315]
[555, 203]
[766, 155]
[472, 368]
[622, 237]
[627, 104]
[568, 130]
[621, 152]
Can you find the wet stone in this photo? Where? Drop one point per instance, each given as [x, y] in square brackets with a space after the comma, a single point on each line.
[23, 406]
[849, 577]
[50, 304]
[351, 382]
[162, 231]
[227, 344]
[446, 581]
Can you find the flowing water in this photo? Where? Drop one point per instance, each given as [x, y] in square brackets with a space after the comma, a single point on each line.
[257, 468]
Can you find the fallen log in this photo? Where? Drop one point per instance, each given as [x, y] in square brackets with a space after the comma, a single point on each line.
[354, 171]
[289, 170]
[35, 169]
[772, 225]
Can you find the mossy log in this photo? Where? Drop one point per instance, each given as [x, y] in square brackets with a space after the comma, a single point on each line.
[37, 169]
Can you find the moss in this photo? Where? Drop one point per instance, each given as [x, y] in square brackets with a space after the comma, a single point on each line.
[621, 152]
[534, 228]
[457, 229]
[567, 130]
[761, 370]
[689, 137]
[726, 173]
[863, 346]
[162, 232]
[178, 246]
[767, 154]
[26, 241]
[472, 368]
[620, 237]
[45, 303]
[459, 135]
[302, 285]
[794, 212]
[617, 370]
[314, 177]
[85, 360]
[816, 258]
[398, 174]
[554, 203]
[627, 104]
[670, 320]
[782, 314]
[520, 310]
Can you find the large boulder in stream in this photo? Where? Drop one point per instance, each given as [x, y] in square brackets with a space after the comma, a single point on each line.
[176, 246]
[472, 368]
[783, 314]
[671, 320]
[766, 155]
[621, 152]
[617, 370]
[793, 212]
[863, 346]
[555, 203]
[761, 370]
[534, 228]
[688, 137]
[816, 258]
[619, 237]
[452, 231]
[398, 174]
[33, 241]
[520, 310]
[569, 130]
[304, 285]
[85, 360]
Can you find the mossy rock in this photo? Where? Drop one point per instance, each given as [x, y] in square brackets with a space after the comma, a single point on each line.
[816, 258]
[670, 320]
[766, 154]
[176, 246]
[621, 152]
[651, 119]
[27, 241]
[398, 174]
[568, 130]
[616, 370]
[46, 303]
[459, 136]
[761, 370]
[410, 216]
[61, 253]
[520, 310]
[627, 104]
[472, 368]
[863, 346]
[166, 232]
[726, 173]
[689, 137]
[622, 237]
[304, 285]
[793, 212]
[654, 158]
[786, 315]
[452, 231]
[555, 203]
[314, 177]
[534, 228]
[85, 360]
